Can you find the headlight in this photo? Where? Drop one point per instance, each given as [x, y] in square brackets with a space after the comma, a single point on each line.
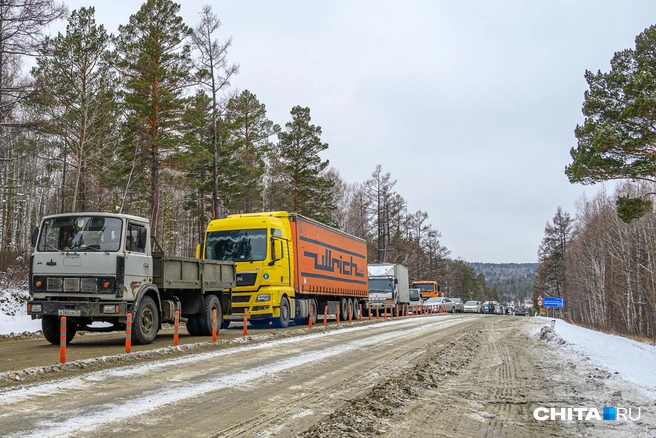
[110, 308]
[35, 308]
[263, 297]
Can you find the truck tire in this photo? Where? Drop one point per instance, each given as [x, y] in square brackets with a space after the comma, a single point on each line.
[313, 303]
[356, 310]
[343, 311]
[146, 322]
[51, 328]
[192, 325]
[283, 320]
[210, 303]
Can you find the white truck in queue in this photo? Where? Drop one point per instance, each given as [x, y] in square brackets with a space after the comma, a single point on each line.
[389, 287]
[98, 267]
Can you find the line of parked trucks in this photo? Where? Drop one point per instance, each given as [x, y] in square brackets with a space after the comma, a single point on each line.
[272, 267]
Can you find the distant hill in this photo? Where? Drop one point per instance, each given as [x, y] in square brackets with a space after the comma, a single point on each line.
[513, 281]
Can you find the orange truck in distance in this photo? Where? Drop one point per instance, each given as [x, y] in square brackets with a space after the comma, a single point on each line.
[427, 289]
[287, 263]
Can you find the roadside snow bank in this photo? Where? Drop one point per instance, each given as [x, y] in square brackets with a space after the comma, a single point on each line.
[631, 360]
[14, 319]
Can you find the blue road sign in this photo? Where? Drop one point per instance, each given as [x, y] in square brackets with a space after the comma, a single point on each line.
[554, 302]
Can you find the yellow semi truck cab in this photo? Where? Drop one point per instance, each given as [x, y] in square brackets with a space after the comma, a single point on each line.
[260, 244]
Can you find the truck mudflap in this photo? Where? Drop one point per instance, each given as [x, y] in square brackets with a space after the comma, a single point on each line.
[83, 309]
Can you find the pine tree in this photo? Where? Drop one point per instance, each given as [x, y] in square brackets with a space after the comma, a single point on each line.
[74, 96]
[617, 138]
[155, 59]
[551, 255]
[251, 133]
[296, 182]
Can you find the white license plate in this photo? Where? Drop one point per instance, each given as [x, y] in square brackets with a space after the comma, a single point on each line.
[65, 312]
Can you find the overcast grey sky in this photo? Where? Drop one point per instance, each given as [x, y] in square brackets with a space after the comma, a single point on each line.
[470, 105]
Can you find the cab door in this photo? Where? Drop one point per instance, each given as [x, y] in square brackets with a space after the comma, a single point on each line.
[138, 263]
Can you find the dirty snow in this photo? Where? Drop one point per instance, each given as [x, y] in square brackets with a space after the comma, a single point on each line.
[629, 360]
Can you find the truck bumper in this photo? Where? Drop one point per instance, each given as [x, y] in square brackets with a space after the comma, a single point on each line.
[82, 309]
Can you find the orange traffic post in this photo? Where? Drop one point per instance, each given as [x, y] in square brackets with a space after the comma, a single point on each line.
[128, 333]
[245, 322]
[350, 314]
[377, 314]
[325, 315]
[213, 325]
[176, 328]
[384, 311]
[360, 317]
[310, 320]
[337, 314]
[369, 311]
[62, 340]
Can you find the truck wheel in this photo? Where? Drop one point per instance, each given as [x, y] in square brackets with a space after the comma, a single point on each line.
[51, 328]
[356, 310]
[146, 322]
[283, 320]
[192, 325]
[343, 311]
[210, 303]
[313, 302]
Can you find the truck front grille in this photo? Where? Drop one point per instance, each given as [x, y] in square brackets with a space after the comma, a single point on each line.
[89, 285]
[54, 283]
[246, 278]
[71, 284]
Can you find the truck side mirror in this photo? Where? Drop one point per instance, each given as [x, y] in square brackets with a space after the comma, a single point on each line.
[35, 235]
[276, 251]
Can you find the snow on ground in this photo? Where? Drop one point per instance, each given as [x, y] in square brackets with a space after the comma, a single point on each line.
[630, 360]
[13, 313]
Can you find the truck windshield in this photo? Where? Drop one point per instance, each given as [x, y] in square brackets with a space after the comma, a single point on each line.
[237, 245]
[72, 233]
[380, 285]
[414, 295]
[424, 287]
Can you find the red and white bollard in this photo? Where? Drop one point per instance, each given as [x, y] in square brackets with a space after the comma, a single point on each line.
[350, 313]
[337, 314]
[310, 320]
[325, 315]
[62, 340]
[128, 333]
[214, 325]
[176, 328]
[369, 311]
[360, 317]
[245, 322]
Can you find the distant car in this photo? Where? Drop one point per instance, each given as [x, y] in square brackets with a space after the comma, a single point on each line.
[521, 311]
[459, 305]
[440, 304]
[473, 307]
